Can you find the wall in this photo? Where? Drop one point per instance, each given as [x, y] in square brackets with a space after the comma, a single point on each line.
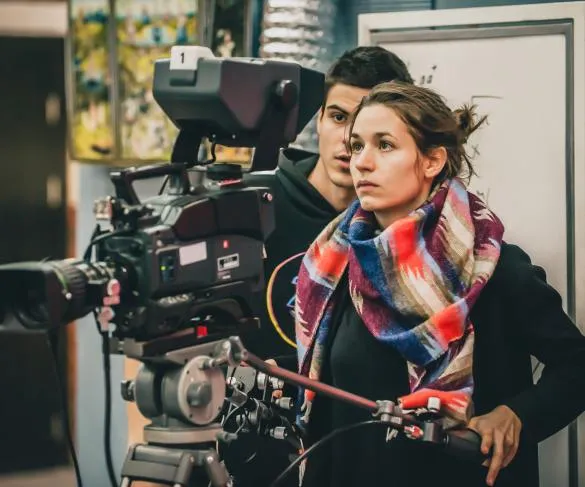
[350, 9]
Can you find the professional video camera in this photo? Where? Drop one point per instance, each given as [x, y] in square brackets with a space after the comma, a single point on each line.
[180, 275]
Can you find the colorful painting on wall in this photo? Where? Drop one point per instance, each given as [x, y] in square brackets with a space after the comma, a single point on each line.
[146, 30]
[114, 118]
[92, 131]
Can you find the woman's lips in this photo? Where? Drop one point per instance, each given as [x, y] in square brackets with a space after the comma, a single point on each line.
[365, 184]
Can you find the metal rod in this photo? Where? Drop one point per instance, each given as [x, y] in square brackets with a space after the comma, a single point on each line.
[312, 385]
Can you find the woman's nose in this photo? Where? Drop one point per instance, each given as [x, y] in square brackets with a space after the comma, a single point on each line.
[364, 161]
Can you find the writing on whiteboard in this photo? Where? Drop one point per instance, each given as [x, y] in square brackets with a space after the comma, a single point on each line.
[427, 79]
[488, 105]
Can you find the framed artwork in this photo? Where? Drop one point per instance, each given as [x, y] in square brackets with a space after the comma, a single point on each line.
[90, 94]
[112, 48]
[146, 30]
[232, 37]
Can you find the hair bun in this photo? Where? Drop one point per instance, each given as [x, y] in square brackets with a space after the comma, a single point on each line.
[466, 120]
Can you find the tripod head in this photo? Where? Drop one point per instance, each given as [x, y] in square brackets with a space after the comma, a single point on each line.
[180, 387]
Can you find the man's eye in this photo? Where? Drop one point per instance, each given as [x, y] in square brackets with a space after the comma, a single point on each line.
[339, 117]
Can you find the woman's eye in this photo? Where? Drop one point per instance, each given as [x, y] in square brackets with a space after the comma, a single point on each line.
[385, 146]
[356, 147]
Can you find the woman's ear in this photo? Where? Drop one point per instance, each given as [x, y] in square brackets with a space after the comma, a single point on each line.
[435, 161]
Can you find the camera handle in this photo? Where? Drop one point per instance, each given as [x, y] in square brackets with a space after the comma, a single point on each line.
[124, 180]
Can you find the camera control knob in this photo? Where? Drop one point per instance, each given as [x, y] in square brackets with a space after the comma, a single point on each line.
[127, 390]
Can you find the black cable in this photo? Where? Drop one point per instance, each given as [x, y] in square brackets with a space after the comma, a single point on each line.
[232, 413]
[53, 341]
[100, 238]
[88, 250]
[319, 444]
[163, 186]
[108, 408]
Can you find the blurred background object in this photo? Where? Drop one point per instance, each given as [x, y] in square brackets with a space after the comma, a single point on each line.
[35, 220]
[301, 31]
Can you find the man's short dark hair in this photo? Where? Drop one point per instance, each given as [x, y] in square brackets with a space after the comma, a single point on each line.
[366, 67]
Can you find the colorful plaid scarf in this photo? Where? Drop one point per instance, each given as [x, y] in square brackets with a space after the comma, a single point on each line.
[413, 285]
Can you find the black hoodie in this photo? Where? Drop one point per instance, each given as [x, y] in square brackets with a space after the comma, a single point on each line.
[300, 214]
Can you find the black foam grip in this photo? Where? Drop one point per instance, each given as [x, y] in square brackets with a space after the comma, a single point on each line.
[465, 443]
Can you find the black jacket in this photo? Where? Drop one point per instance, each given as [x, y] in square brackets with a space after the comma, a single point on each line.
[518, 315]
[301, 213]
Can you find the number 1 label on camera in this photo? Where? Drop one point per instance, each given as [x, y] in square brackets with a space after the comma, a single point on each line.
[186, 57]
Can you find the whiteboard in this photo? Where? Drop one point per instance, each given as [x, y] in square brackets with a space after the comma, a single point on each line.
[523, 67]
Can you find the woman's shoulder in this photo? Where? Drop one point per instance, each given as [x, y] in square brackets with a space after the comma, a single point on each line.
[512, 256]
[515, 268]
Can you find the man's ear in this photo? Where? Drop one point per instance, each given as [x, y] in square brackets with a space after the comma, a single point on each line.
[434, 162]
[320, 120]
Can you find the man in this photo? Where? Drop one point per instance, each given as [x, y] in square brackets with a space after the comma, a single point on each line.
[309, 191]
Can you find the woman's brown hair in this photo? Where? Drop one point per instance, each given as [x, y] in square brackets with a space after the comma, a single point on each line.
[430, 122]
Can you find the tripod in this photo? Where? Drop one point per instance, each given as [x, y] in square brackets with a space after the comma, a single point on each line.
[180, 387]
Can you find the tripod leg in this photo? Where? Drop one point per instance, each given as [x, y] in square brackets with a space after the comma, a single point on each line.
[167, 466]
[216, 471]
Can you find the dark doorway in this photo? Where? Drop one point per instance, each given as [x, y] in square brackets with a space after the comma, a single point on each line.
[33, 226]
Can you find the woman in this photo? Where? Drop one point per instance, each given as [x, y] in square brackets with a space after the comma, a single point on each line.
[413, 293]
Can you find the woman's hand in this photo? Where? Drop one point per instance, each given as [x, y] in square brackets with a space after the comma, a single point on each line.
[500, 432]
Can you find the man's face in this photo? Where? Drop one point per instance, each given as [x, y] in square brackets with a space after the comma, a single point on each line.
[331, 127]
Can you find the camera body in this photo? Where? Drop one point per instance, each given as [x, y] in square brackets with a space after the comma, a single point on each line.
[190, 260]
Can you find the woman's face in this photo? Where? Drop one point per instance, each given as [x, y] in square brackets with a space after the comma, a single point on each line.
[390, 175]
